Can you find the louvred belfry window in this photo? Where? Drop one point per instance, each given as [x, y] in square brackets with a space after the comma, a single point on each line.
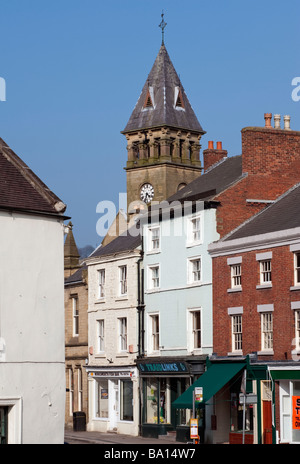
[179, 101]
[148, 102]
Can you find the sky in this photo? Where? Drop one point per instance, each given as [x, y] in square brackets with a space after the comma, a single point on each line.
[74, 70]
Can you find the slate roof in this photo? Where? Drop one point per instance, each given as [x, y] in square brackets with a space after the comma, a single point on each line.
[283, 214]
[21, 189]
[217, 179]
[163, 78]
[125, 242]
[76, 277]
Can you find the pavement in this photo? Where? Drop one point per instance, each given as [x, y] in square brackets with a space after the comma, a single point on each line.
[110, 438]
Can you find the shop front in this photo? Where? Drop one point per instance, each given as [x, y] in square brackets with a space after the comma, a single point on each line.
[113, 400]
[161, 383]
[286, 384]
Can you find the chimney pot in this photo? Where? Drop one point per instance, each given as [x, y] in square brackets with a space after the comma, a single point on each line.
[268, 117]
[219, 145]
[210, 145]
[277, 121]
[287, 120]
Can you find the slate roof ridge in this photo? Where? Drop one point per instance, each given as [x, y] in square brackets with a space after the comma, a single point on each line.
[259, 213]
[39, 186]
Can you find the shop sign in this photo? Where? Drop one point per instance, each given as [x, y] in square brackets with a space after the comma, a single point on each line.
[111, 374]
[160, 368]
[296, 412]
[193, 428]
[198, 394]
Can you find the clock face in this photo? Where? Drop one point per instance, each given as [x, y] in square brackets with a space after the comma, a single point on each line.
[147, 193]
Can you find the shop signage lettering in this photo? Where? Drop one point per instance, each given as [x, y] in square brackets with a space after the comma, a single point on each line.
[163, 367]
[296, 412]
[110, 374]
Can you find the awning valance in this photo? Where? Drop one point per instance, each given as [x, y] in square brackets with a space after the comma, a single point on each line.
[211, 381]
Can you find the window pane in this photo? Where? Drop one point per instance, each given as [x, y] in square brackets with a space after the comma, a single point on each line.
[127, 400]
[151, 404]
[101, 398]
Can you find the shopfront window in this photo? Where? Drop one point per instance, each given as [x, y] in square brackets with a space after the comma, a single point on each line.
[151, 403]
[126, 392]
[101, 399]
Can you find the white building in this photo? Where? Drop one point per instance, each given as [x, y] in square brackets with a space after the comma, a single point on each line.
[32, 369]
[113, 336]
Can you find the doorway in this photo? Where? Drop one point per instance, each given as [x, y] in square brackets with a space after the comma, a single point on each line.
[114, 404]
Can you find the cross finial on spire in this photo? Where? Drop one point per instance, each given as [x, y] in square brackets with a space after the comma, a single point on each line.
[163, 25]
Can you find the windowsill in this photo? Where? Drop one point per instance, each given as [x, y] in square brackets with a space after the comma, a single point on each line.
[234, 290]
[122, 297]
[260, 287]
[153, 252]
[100, 355]
[194, 284]
[100, 300]
[153, 290]
[265, 352]
[235, 353]
[193, 244]
[295, 287]
[122, 355]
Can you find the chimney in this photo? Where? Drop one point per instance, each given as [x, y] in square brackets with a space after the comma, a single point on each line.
[213, 155]
[268, 118]
[287, 121]
[277, 121]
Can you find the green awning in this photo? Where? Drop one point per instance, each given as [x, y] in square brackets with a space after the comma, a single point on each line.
[281, 374]
[211, 381]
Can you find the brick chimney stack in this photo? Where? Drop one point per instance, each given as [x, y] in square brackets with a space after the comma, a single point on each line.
[212, 156]
[271, 157]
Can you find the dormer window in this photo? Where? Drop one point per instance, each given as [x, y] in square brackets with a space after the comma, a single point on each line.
[178, 100]
[149, 101]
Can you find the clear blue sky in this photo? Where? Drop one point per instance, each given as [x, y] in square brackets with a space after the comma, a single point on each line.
[74, 70]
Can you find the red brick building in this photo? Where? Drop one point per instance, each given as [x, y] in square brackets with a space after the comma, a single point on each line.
[256, 312]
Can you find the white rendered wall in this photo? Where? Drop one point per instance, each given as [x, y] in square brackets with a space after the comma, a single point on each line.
[32, 369]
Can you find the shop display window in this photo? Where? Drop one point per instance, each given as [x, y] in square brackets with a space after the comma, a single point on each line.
[126, 401]
[101, 399]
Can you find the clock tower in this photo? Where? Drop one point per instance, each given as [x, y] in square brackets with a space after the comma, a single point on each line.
[163, 138]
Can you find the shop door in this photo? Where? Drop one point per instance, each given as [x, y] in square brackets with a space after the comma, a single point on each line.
[114, 404]
[3, 426]
[267, 422]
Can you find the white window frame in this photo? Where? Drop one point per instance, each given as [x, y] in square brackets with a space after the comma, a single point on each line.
[75, 316]
[192, 272]
[154, 239]
[296, 269]
[80, 391]
[153, 280]
[153, 334]
[237, 333]
[267, 331]
[123, 336]
[101, 335]
[194, 235]
[123, 282]
[101, 284]
[236, 275]
[297, 329]
[265, 272]
[192, 348]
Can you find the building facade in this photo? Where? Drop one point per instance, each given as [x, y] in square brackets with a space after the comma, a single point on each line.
[113, 336]
[256, 314]
[76, 330]
[32, 396]
[178, 311]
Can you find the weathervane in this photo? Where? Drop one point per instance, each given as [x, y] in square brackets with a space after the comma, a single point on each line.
[162, 25]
